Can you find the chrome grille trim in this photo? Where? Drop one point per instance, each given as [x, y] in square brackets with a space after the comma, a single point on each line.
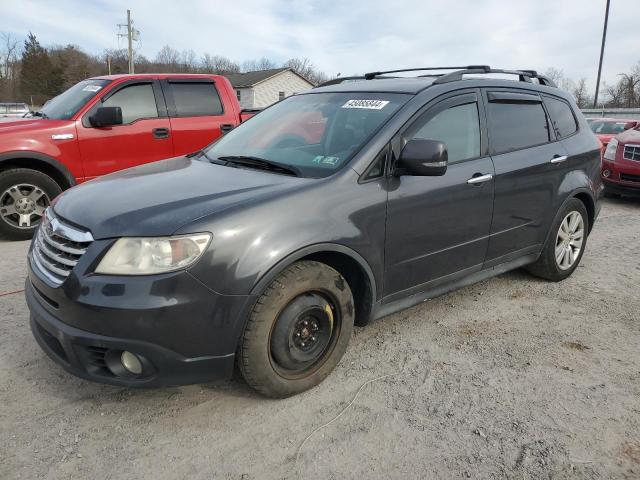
[57, 248]
[631, 152]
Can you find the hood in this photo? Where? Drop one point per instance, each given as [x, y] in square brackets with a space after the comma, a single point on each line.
[629, 136]
[158, 198]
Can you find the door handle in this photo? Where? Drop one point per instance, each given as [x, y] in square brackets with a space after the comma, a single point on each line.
[559, 158]
[160, 132]
[475, 180]
[226, 128]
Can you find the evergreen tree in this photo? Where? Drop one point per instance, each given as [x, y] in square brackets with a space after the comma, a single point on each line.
[38, 77]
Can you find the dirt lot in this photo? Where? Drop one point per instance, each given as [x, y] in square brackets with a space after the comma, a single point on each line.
[510, 378]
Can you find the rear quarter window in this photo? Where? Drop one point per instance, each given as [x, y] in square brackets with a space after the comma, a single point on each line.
[515, 125]
[196, 99]
[562, 117]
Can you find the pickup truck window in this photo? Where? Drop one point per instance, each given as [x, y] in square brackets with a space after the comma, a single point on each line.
[67, 104]
[315, 133]
[196, 99]
[136, 101]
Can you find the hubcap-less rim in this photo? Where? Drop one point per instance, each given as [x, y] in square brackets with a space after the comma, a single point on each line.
[304, 334]
[569, 240]
[23, 205]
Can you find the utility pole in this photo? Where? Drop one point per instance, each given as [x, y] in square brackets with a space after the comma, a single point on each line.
[604, 37]
[131, 32]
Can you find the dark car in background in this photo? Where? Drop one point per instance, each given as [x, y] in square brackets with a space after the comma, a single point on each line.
[375, 195]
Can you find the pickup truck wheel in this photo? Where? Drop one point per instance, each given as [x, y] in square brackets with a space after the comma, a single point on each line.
[24, 196]
[297, 331]
[565, 245]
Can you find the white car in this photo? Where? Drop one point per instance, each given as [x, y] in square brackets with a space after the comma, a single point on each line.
[13, 110]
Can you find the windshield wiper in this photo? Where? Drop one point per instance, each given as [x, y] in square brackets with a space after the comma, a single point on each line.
[39, 113]
[261, 163]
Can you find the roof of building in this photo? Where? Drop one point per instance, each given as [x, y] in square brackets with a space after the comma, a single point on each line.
[249, 79]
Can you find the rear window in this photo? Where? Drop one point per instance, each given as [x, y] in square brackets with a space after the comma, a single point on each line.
[196, 99]
[609, 127]
[562, 117]
[517, 125]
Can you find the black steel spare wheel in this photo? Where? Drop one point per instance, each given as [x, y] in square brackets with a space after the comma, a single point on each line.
[297, 331]
[303, 332]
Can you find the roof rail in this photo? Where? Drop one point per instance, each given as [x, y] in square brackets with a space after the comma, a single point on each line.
[523, 75]
[336, 81]
[372, 75]
[457, 74]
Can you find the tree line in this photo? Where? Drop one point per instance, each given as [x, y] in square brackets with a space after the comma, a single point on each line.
[32, 73]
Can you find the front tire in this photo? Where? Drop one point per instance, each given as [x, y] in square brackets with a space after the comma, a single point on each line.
[297, 331]
[565, 244]
[24, 196]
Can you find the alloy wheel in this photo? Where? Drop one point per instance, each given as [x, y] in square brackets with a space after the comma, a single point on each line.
[569, 240]
[22, 206]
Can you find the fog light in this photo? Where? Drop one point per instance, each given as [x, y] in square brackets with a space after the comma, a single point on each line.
[131, 363]
[606, 174]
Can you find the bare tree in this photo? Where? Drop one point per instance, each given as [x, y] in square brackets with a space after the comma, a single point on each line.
[581, 94]
[304, 67]
[218, 64]
[169, 59]
[262, 64]
[9, 66]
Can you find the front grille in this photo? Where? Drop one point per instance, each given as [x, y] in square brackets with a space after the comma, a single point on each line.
[629, 178]
[631, 152]
[58, 247]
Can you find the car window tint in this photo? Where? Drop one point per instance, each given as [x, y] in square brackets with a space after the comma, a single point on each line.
[516, 125]
[562, 117]
[458, 127]
[194, 99]
[136, 102]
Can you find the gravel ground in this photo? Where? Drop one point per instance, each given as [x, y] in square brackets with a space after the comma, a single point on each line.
[510, 378]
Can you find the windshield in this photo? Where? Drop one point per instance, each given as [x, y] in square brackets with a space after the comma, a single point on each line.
[65, 105]
[316, 134]
[610, 127]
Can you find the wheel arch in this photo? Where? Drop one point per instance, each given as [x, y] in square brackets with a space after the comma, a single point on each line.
[589, 203]
[351, 265]
[40, 162]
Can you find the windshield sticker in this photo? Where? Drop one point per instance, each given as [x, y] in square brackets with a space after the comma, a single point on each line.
[91, 88]
[321, 159]
[369, 104]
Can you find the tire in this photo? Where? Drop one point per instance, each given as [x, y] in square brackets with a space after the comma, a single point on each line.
[273, 356]
[547, 266]
[24, 194]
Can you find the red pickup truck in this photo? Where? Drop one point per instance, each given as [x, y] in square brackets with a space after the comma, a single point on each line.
[101, 125]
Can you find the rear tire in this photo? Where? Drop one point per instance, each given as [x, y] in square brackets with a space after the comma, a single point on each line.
[297, 331]
[565, 244]
[24, 195]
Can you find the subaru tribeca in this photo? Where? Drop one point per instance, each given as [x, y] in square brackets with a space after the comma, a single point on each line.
[331, 208]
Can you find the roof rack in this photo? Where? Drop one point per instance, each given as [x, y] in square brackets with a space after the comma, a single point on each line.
[457, 74]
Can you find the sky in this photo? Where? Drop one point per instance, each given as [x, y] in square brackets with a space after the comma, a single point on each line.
[353, 37]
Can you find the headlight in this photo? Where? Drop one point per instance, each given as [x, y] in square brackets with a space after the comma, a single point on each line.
[146, 256]
[610, 152]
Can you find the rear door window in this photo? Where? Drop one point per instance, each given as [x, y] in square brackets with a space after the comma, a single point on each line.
[516, 121]
[193, 99]
[562, 117]
[136, 101]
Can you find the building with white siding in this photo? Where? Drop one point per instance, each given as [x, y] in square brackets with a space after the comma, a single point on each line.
[262, 88]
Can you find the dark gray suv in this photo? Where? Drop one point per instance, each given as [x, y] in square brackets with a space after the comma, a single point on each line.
[333, 207]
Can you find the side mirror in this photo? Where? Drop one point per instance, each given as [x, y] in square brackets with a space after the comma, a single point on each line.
[426, 158]
[106, 117]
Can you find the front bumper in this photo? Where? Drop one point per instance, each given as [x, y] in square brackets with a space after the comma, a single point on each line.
[186, 335]
[621, 188]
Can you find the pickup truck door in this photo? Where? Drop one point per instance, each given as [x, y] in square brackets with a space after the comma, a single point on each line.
[144, 136]
[199, 112]
[438, 227]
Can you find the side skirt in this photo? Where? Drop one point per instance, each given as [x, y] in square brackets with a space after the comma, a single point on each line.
[383, 309]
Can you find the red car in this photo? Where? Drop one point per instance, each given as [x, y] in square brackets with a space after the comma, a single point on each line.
[101, 125]
[621, 164]
[607, 128]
